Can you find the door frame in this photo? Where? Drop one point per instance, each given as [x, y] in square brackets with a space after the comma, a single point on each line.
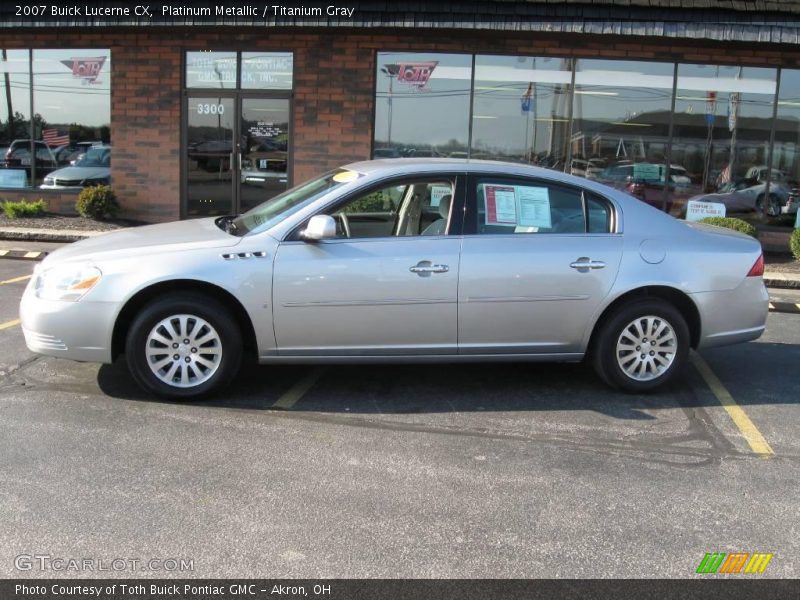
[238, 96]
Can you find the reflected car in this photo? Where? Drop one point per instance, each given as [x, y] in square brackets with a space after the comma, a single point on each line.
[92, 168]
[747, 195]
[18, 157]
[264, 163]
[650, 190]
[399, 260]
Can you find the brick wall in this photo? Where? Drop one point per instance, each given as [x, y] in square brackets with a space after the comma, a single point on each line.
[333, 95]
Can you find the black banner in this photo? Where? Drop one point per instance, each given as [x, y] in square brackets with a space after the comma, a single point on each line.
[398, 589]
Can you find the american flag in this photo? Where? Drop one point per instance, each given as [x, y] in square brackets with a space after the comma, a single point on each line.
[725, 175]
[53, 137]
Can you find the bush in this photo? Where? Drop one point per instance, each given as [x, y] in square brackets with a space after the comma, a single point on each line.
[794, 243]
[732, 223]
[15, 210]
[97, 202]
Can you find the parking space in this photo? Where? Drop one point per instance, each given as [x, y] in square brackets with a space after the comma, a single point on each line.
[480, 470]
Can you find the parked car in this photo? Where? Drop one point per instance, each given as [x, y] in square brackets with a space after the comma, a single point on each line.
[648, 187]
[92, 168]
[265, 162]
[68, 154]
[398, 260]
[18, 156]
[747, 195]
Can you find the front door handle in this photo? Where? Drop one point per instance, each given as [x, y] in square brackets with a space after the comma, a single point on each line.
[587, 263]
[424, 268]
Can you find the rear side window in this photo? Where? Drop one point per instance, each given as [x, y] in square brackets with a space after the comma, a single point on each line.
[505, 206]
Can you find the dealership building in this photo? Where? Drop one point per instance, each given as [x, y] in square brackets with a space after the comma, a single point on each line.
[211, 108]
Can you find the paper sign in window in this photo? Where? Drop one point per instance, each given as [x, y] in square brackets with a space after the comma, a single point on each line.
[501, 205]
[534, 207]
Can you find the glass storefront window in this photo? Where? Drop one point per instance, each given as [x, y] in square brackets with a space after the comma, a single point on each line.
[71, 94]
[211, 69]
[267, 70]
[620, 128]
[14, 117]
[786, 151]
[721, 131]
[422, 104]
[521, 109]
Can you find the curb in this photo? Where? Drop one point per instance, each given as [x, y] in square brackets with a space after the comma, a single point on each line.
[784, 307]
[31, 236]
[23, 254]
[784, 284]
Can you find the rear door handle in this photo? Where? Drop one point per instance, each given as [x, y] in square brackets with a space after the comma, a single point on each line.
[425, 268]
[587, 263]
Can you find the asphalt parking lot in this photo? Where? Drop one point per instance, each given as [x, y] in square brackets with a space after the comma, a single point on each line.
[509, 470]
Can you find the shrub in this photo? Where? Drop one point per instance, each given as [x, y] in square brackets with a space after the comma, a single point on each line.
[794, 243]
[97, 202]
[732, 223]
[15, 210]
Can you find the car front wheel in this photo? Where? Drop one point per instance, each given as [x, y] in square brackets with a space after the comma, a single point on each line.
[641, 346]
[183, 346]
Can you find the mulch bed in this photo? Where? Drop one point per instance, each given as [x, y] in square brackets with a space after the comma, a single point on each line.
[63, 222]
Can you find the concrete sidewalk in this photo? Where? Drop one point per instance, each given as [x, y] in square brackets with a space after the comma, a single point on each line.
[34, 244]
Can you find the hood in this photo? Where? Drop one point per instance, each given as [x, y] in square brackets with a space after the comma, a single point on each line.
[81, 173]
[192, 234]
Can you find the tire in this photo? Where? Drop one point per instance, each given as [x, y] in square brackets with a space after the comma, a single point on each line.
[206, 364]
[620, 367]
[773, 208]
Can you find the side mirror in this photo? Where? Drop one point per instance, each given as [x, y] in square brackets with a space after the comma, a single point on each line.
[320, 227]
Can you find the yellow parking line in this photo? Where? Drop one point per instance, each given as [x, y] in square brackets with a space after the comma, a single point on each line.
[8, 324]
[750, 432]
[16, 279]
[299, 389]
[32, 254]
[771, 306]
[4, 252]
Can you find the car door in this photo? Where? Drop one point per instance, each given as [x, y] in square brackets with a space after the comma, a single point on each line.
[386, 289]
[537, 260]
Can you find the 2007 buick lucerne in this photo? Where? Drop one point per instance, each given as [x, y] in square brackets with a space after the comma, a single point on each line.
[398, 260]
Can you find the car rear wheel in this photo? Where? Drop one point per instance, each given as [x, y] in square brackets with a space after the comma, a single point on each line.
[641, 346]
[773, 207]
[184, 346]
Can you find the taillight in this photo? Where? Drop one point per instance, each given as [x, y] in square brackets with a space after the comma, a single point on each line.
[757, 270]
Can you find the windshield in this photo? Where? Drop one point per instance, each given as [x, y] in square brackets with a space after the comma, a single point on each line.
[95, 157]
[275, 210]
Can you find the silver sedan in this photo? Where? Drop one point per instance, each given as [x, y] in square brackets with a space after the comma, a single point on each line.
[404, 260]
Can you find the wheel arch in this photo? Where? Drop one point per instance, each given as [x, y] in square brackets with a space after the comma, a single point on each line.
[136, 302]
[677, 298]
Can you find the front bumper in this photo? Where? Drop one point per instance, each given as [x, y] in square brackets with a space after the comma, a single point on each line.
[75, 330]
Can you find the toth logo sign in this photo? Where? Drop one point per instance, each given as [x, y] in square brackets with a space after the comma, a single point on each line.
[415, 74]
[87, 69]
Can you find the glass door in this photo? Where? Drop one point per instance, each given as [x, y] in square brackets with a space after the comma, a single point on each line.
[210, 163]
[264, 147]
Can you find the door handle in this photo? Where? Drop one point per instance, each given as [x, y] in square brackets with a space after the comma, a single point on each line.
[425, 267]
[587, 263]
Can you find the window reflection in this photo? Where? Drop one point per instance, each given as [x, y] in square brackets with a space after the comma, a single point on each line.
[14, 115]
[786, 151]
[520, 109]
[620, 131]
[422, 104]
[721, 134]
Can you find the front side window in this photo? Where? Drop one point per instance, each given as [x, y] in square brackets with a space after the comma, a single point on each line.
[404, 208]
[514, 206]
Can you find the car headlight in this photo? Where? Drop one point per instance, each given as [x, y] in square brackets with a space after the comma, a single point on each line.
[69, 282]
[48, 181]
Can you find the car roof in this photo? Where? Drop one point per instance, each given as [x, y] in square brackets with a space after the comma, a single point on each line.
[400, 166]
